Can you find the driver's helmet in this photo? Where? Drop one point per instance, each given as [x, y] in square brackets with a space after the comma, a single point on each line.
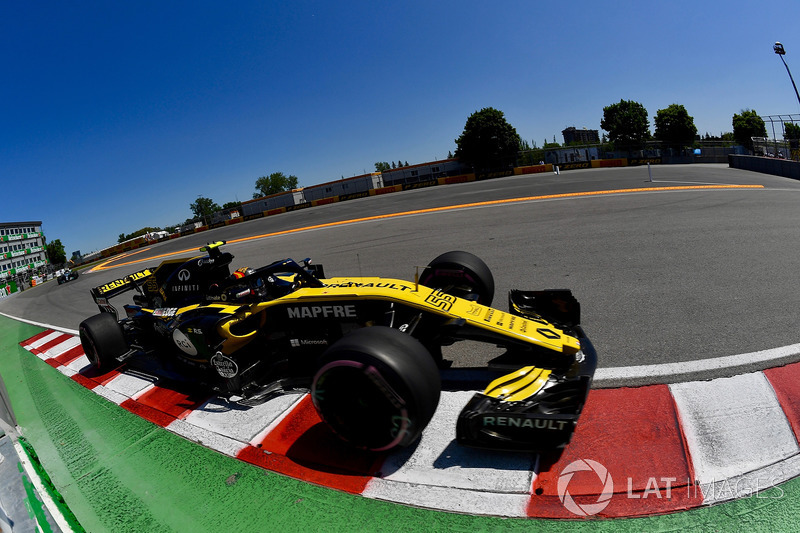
[242, 272]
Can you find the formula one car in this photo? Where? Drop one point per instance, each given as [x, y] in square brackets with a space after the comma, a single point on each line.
[67, 275]
[369, 349]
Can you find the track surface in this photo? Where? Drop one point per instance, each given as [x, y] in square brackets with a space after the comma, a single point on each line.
[667, 276]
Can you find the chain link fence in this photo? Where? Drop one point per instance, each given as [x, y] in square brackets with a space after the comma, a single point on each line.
[779, 145]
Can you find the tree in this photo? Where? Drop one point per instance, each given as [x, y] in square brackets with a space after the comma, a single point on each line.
[488, 140]
[746, 125]
[674, 126]
[203, 207]
[382, 166]
[56, 252]
[232, 205]
[626, 124]
[791, 130]
[274, 183]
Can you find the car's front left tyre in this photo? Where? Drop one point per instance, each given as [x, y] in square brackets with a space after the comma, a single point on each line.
[460, 274]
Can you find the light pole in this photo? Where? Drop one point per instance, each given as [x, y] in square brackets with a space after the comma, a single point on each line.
[778, 48]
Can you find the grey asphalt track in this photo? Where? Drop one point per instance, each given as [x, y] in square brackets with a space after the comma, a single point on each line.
[662, 277]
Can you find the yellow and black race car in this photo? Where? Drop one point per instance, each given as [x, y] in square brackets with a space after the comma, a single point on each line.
[369, 349]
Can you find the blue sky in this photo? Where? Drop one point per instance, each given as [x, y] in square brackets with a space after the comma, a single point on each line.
[117, 115]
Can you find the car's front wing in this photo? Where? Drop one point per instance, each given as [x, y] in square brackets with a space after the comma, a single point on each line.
[541, 422]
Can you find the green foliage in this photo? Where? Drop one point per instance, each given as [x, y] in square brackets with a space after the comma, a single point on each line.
[274, 183]
[232, 205]
[203, 207]
[382, 166]
[747, 124]
[56, 253]
[791, 130]
[488, 140]
[626, 123]
[674, 126]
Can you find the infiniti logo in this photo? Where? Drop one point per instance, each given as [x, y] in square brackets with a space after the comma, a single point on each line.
[184, 275]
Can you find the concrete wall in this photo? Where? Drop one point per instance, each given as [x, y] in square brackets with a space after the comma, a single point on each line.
[766, 165]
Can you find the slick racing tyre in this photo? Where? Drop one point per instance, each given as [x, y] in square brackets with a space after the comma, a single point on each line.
[376, 388]
[460, 274]
[102, 340]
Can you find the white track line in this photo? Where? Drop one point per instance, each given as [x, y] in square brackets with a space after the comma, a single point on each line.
[626, 373]
[45, 326]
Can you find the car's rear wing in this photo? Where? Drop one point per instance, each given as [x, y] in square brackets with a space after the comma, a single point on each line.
[103, 293]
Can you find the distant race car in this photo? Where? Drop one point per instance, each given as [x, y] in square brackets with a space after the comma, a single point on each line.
[67, 275]
[368, 349]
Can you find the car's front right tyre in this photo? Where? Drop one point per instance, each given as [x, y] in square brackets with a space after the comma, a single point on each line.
[377, 388]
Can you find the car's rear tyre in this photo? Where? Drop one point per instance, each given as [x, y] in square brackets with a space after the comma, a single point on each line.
[460, 274]
[103, 340]
[376, 388]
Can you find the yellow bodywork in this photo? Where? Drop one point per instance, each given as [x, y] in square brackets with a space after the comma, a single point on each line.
[518, 385]
[538, 331]
[122, 282]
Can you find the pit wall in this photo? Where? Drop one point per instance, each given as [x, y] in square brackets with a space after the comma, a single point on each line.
[766, 165]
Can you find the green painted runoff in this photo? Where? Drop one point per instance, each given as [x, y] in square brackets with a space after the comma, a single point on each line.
[118, 472]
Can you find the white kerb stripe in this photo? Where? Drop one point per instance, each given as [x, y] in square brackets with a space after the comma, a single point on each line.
[438, 460]
[733, 426]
